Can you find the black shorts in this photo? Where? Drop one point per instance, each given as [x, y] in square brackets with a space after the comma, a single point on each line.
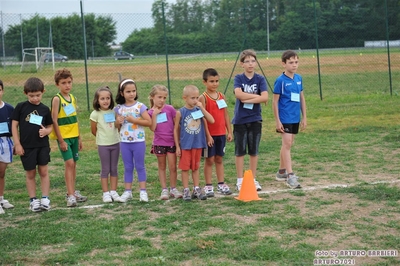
[290, 128]
[35, 156]
[247, 137]
[162, 150]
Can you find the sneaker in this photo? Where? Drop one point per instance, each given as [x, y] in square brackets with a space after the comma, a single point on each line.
[114, 196]
[281, 177]
[175, 193]
[186, 195]
[164, 194]
[1, 210]
[144, 197]
[258, 187]
[45, 204]
[292, 181]
[238, 186]
[5, 204]
[79, 197]
[127, 195]
[224, 189]
[209, 190]
[199, 194]
[71, 201]
[107, 198]
[35, 205]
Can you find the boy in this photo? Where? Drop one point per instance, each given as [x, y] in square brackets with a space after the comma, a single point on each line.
[190, 139]
[287, 103]
[66, 132]
[214, 103]
[33, 119]
[250, 90]
[6, 144]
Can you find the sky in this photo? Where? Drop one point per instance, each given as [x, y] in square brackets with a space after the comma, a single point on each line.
[68, 7]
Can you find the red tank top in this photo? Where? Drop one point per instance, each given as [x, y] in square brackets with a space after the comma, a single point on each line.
[218, 128]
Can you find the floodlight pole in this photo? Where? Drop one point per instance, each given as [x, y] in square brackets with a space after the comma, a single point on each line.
[316, 43]
[388, 47]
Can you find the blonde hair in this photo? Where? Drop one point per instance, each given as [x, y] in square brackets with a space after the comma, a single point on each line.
[154, 90]
[188, 89]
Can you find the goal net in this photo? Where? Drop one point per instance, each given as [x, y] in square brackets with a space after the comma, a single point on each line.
[33, 59]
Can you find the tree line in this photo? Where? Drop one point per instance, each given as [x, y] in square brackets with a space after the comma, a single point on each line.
[207, 26]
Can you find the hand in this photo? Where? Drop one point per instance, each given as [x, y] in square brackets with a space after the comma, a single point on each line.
[279, 128]
[229, 138]
[63, 146]
[156, 110]
[42, 131]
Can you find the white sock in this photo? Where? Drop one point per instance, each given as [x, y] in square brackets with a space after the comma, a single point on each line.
[239, 180]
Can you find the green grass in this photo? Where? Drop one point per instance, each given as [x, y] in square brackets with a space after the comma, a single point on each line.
[352, 139]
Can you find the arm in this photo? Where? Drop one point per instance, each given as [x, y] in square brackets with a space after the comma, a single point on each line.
[19, 150]
[206, 114]
[228, 124]
[44, 131]
[303, 107]
[177, 136]
[144, 120]
[251, 98]
[55, 105]
[210, 140]
[278, 124]
[93, 127]
[156, 111]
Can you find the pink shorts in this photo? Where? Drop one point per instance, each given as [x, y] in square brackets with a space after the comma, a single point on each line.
[190, 159]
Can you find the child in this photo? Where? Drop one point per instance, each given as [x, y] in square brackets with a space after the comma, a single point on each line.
[7, 146]
[102, 124]
[66, 132]
[132, 117]
[288, 102]
[162, 124]
[33, 120]
[214, 102]
[190, 139]
[250, 90]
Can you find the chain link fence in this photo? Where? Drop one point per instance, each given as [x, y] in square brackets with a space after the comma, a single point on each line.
[104, 40]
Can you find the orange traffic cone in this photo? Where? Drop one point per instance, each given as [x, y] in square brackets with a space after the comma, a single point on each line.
[248, 191]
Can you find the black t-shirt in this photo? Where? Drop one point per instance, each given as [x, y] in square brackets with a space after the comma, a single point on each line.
[29, 131]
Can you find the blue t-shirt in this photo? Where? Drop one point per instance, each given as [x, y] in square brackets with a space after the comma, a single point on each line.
[5, 119]
[289, 99]
[256, 85]
[192, 133]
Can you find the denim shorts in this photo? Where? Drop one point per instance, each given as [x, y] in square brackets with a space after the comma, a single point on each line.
[247, 137]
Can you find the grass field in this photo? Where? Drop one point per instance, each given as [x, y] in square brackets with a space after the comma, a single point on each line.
[348, 160]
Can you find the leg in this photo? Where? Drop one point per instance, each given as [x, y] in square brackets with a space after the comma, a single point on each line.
[253, 164]
[3, 167]
[173, 175]
[127, 158]
[208, 164]
[104, 155]
[219, 168]
[31, 182]
[114, 157]
[44, 179]
[162, 170]
[286, 161]
[185, 178]
[138, 156]
[69, 174]
[239, 162]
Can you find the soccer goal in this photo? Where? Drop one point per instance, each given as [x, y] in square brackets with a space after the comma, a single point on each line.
[33, 59]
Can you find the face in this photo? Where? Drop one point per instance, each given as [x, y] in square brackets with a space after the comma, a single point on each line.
[104, 100]
[291, 65]
[191, 98]
[212, 83]
[129, 93]
[65, 85]
[159, 99]
[35, 97]
[249, 64]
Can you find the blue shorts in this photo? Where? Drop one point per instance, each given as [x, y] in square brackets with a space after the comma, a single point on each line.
[247, 136]
[217, 149]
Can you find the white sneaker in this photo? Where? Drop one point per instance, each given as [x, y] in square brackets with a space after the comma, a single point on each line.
[1, 210]
[71, 201]
[143, 196]
[127, 195]
[258, 187]
[35, 206]
[164, 194]
[45, 204]
[175, 193]
[238, 186]
[114, 196]
[107, 197]
[5, 204]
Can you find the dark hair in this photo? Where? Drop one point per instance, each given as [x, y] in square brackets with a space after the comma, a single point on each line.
[33, 85]
[62, 74]
[247, 53]
[96, 104]
[209, 72]
[119, 99]
[288, 54]
[1, 84]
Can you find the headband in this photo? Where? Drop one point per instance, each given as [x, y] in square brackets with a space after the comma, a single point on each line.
[126, 81]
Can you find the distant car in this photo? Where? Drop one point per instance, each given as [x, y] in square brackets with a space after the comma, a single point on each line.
[123, 55]
[57, 57]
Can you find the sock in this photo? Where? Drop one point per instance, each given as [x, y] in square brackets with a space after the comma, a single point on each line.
[210, 185]
[220, 183]
[1, 198]
[164, 188]
[128, 190]
[32, 199]
[113, 191]
[282, 171]
[171, 188]
[106, 193]
[142, 189]
[239, 180]
[45, 197]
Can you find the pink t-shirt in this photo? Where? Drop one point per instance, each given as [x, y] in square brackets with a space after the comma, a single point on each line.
[164, 133]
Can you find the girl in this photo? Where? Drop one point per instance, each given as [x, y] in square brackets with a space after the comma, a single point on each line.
[102, 123]
[163, 116]
[132, 117]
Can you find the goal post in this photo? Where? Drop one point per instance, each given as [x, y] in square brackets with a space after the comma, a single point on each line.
[33, 59]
